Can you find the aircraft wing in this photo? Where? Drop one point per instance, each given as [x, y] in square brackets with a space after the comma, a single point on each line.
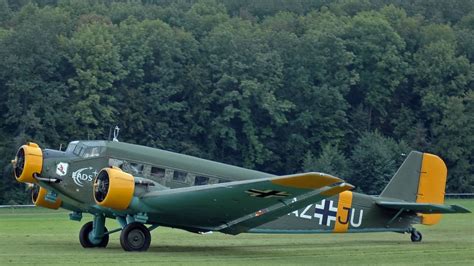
[235, 207]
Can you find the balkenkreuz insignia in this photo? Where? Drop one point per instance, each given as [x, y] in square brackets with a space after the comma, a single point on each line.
[267, 193]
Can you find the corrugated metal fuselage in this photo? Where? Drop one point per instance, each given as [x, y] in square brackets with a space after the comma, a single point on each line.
[346, 212]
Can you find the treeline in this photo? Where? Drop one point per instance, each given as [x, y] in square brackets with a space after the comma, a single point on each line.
[345, 87]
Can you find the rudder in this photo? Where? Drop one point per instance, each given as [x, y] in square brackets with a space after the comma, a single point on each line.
[432, 185]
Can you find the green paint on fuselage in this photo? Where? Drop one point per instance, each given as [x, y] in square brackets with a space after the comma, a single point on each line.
[172, 170]
[365, 216]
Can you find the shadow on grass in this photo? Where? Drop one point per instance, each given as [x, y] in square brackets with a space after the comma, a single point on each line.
[258, 247]
[274, 248]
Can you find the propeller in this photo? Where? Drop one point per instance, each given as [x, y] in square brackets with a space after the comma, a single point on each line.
[19, 162]
[34, 192]
[101, 186]
[28, 162]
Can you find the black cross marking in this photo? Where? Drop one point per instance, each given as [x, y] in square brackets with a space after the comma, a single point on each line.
[267, 193]
[325, 212]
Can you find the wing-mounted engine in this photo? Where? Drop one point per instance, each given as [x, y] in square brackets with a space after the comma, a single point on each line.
[113, 188]
[38, 196]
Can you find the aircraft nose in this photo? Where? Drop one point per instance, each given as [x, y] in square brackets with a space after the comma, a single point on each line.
[28, 161]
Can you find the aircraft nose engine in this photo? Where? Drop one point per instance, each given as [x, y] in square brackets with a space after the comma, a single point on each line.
[114, 188]
[28, 161]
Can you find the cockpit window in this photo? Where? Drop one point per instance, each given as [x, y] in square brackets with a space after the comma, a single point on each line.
[85, 149]
[91, 152]
[70, 148]
[77, 150]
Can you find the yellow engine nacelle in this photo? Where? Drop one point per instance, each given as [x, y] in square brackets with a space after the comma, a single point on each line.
[38, 198]
[113, 188]
[28, 161]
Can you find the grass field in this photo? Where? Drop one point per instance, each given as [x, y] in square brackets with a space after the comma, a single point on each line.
[40, 236]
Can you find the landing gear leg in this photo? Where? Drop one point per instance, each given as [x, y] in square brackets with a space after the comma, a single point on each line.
[94, 234]
[135, 237]
[416, 236]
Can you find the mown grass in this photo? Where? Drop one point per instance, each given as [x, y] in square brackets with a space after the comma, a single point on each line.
[40, 236]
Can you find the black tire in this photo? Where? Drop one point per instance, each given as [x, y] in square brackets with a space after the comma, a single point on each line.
[135, 237]
[84, 237]
[416, 236]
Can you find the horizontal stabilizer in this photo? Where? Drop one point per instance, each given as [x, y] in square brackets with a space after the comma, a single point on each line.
[423, 207]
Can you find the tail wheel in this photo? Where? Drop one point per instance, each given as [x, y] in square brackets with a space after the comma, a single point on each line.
[135, 237]
[85, 240]
[416, 236]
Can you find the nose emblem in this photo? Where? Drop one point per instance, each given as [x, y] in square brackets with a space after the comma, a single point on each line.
[61, 169]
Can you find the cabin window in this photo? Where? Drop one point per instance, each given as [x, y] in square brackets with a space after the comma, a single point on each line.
[201, 180]
[179, 176]
[158, 172]
[136, 168]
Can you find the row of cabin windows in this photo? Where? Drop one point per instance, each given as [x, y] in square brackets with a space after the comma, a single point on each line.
[157, 172]
[181, 177]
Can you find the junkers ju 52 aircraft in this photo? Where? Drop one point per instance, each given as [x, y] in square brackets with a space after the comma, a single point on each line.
[143, 188]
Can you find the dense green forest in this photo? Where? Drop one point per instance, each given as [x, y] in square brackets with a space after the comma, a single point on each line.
[345, 87]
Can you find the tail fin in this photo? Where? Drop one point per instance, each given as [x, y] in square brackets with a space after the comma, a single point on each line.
[420, 179]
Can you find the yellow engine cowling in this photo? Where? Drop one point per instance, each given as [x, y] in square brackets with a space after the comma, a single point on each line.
[38, 198]
[113, 188]
[28, 161]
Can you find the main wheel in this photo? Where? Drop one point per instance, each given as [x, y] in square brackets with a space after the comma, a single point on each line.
[135, 237]
[416, 236]
[84, 237]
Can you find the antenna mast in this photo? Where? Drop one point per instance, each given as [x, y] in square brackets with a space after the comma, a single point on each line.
[116, 133]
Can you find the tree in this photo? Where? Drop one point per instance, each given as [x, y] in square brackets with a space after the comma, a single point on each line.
[159, 96]
[379, 62]
[273, 85]
[204, 16]
[244, 77]
[331, 161]
[5, 12]
[316, 79]
[374, 161]
[30, 67]
[406, 26]
[408, 127]
[96, 63]
[465, 36]
[457, 120]
[440, 74]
